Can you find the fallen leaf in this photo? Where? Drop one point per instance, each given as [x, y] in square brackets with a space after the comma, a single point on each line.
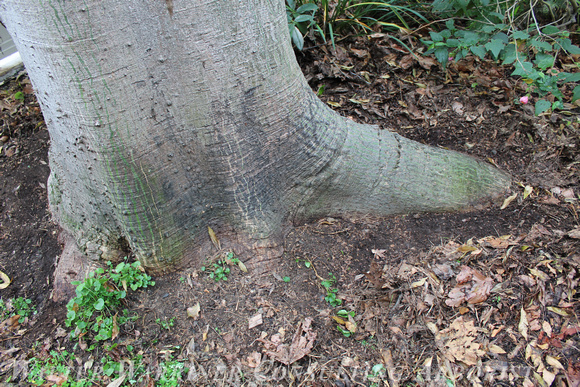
[554, 362]
[379, 253]
[254, 321]
[572, 234]
[528, 190]
[213, 238]
[242, 266]
[457, 342]
[496, 349]
[254, 359]
[523, 324]
[472, 286]
[508, 200]
[560, 311]
[115, 330]
[117, 382]
[5, 280]
[301, 345]
[193, 311]
[419, 283]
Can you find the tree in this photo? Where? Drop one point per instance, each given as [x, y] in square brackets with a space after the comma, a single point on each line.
[169, 117]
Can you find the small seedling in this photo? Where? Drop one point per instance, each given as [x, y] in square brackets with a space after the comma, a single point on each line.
[377, 373]
[172, 373]
[307, 263]
[286, 279]
[219, 270]
[17, 306]
[331, 293]
[165, 324]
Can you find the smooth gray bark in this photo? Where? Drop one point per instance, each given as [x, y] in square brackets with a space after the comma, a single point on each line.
[167, 120]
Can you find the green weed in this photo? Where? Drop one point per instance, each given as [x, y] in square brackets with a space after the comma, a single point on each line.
[219, 270]
[98, 298]
[172, 373]
[17, 306]
[331, 293]
[165, 324]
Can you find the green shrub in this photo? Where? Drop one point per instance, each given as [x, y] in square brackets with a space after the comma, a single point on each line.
[492, 31]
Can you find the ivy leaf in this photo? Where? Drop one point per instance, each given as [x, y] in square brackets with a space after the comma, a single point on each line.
[523, 69]
[576, 94]
[437, 37]
[442, 55]
[470, 38]
[541, 106]
[495, 46]
[544, 61]
[568, 46]
[479, 51]
[510, 54]
[541, 45]
[550, 30]
[522, 35]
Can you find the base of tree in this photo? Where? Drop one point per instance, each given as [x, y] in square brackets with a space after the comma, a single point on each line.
[71, 265]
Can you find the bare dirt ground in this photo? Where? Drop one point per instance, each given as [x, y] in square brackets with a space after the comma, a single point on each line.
[487, 297]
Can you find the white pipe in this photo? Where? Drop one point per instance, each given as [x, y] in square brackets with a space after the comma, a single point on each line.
[9, 63]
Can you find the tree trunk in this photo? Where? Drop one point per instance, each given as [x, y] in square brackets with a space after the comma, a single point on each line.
[167, 117]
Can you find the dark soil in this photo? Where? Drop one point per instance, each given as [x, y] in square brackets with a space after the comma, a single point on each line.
[398, 292]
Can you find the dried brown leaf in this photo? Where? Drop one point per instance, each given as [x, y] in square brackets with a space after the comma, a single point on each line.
[254, 321]
[472, 287]
[301, 345]
[5, 280]
[523, 324]
[508, 200]
[193, 311]
[214, 238]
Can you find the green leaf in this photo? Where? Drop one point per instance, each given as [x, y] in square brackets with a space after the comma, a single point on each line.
[100, 304]
[550, 30]
[544, 61]
[19, 96]
[510, 54]
[297, 38]
[453, 42]
[436, 36]
[495, 47]
[501, 37]
[576, 94]
[308, 7]
[522, 35]
[303, 18]
[541, 45]
[470, 38]
[71, 314]
[568, 46]
[446, 34]
[541, 106]
[478, 50]
[442, 55]
[567, 77]
[450, 24]
[523, 69]
[489, 29]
